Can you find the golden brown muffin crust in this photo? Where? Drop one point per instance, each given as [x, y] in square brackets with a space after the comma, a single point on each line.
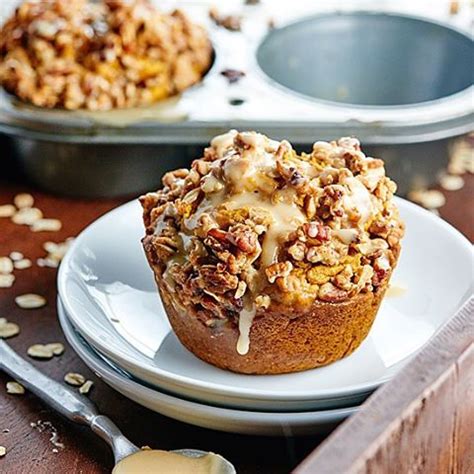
[282, 341]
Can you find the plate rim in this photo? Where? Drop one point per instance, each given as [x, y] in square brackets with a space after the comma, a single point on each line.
[211, 387]
[65, 324]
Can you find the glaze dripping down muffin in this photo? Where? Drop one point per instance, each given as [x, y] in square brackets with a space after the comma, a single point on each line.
[270, 261]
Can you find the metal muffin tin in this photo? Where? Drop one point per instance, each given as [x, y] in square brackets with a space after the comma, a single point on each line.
[400, 83]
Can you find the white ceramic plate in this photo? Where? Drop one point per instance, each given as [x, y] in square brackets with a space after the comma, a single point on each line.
[206, 416]
[109, 293]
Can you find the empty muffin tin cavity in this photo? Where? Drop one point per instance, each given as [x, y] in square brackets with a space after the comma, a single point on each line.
[371, 59]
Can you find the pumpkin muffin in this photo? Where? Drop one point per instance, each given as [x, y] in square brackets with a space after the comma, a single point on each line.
[100, 54]
[269, 261]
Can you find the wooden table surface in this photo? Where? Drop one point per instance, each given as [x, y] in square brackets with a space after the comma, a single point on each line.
[29, 450]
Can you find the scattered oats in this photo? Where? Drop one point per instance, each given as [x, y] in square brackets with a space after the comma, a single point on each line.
[47, 262]
[86, 387]
[3, 451]
[73, 378]
[56, 252]
[30, 301]
[461, 159]
[55, 450]
[451, 182]
[6, 281]
[16, 256]
[56, 347]
[23, 200]
[7, 210]
[431, 199]
[51, 262]
[50, 247]
[8, 329]
[46, 225]
[15, 388]
[6, 265]
[434, 199]
[22, 264]
[40, 351]
[27, 216]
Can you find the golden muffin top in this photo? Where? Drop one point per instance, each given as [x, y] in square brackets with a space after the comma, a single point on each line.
[254, 221]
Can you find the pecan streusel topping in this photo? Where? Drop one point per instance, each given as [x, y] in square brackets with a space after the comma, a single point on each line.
[253, 222]
[99, 55]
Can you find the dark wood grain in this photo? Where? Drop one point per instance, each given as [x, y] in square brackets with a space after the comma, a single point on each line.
[422, 421]
[459, 207]
[31, 451]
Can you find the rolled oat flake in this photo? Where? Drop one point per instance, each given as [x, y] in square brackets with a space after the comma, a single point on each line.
[15, 388]
[23, 200]
[40, 351]
[16, 256]
[73, 378]
[451, 182]
[6, 265]
[86, 387]
[8, 329]
[56, 347]
[6, 281]
[27, 216]
[46, 225]
[30, 301]
[7, 210]
[22, 264]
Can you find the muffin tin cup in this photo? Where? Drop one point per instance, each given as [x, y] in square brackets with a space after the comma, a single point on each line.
[368, 59]
[401, 84]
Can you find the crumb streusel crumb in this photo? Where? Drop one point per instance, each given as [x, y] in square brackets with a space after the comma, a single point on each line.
[99, 55]
[253, 222]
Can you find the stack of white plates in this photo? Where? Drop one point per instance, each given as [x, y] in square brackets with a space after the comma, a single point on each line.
[112, 316]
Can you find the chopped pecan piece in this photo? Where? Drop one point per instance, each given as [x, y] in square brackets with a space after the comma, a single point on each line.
[343, 280]
[278, 270]
[244, 238]
[317, 231]
[297, 251]
[216, 282]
